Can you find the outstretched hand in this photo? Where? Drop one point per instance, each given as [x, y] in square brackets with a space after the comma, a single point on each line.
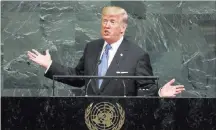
[43, 60]
[169, 90]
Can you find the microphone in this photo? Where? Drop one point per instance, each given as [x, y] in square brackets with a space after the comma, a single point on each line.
[123, 82]
[98, 63]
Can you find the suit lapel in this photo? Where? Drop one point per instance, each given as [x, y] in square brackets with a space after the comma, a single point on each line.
[115, 64]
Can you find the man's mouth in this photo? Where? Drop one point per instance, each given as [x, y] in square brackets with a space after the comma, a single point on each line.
[106, 32]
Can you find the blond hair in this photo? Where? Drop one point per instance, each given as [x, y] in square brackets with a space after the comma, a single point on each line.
[115, 10]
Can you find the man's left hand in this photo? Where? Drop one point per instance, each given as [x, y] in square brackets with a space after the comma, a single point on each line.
[169, 90]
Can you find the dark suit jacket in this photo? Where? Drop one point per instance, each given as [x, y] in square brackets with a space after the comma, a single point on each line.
[134, 61]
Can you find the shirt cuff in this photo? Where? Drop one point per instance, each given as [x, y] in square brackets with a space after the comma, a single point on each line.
[159, 92]
[48, 67]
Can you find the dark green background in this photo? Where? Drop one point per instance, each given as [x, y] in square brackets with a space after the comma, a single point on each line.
[179, 36]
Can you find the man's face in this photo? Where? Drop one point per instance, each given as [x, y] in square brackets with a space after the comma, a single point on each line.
[111, 28]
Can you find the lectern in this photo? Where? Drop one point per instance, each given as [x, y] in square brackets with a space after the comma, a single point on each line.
[107, 113]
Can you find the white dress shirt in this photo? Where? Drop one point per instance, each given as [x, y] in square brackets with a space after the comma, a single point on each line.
[113, 50]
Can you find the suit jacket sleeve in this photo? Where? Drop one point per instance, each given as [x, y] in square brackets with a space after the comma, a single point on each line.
[144, 68]
[58, 69]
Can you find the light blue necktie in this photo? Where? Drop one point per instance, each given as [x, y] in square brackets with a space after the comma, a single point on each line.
[102, 68]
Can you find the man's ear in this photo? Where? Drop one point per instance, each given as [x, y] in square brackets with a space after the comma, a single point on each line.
[124, 27]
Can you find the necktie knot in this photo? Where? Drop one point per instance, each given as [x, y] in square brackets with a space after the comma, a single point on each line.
[107, 48]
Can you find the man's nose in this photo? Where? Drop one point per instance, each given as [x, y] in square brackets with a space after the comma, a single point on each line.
[107, 25]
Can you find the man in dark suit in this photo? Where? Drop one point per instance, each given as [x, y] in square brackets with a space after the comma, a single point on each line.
[107, 56]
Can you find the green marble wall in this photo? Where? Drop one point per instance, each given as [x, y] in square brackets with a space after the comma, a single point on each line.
[179, 36]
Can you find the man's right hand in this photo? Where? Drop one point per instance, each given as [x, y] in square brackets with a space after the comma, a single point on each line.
[43, 60]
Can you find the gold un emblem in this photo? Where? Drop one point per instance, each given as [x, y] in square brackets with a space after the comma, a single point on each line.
[104, 116]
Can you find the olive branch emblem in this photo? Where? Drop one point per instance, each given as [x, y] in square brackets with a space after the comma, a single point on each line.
[104, 116]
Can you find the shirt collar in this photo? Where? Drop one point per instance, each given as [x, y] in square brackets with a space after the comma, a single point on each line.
[116, 44]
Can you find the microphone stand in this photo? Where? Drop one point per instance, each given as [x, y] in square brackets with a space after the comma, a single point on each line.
[98, 63]
[124, 86]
